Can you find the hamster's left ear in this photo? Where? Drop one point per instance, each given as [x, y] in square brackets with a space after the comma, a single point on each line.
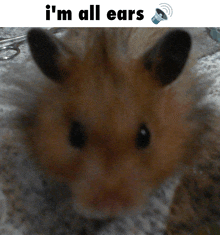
[51, 55]
[166, 59]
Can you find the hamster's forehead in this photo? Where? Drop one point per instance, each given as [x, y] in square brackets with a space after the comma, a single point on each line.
[107, 98]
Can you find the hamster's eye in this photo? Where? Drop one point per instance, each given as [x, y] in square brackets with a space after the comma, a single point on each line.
[143, 137]
[77, 136]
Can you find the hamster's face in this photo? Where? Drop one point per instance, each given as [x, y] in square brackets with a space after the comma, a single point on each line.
[112, 129]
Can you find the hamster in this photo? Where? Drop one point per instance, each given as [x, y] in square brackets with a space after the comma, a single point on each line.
[112, 125]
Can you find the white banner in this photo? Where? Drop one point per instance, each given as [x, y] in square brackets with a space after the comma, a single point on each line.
[85, 13]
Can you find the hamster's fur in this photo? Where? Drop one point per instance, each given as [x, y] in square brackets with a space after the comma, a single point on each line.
[116, 120]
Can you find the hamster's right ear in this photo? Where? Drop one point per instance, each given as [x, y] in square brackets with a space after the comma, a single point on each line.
[51, 55]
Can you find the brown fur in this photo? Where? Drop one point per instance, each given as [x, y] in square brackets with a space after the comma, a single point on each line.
[109, 90]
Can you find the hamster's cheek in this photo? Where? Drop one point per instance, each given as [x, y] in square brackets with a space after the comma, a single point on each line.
[53, 152]
[50, 145]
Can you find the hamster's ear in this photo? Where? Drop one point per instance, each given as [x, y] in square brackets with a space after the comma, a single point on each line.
[167, 58]
[52, 57]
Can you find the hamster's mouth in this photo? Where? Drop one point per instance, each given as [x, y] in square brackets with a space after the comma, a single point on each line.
[108, 208]
[104, 216]
[99, 215]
